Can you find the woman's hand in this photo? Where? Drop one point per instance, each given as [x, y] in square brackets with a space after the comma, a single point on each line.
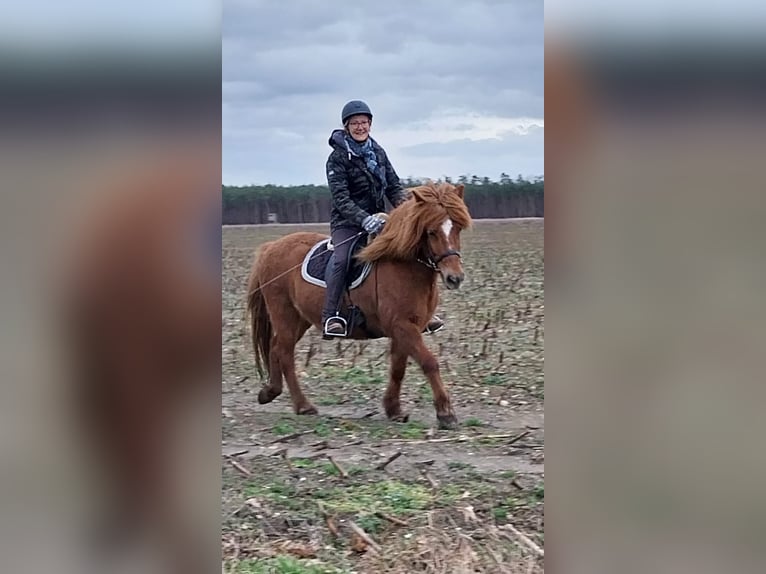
[372, 224]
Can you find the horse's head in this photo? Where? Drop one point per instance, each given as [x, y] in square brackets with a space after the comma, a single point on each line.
[443, 216]
[426, 228]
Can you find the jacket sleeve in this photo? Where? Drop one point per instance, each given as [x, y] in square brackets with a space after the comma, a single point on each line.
[394, 190]
[341, 198]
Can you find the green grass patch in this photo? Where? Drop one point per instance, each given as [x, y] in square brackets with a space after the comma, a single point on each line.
[490, 441]
[370, 523]
[356, 375]
[511, 504]
[473, 422]
[412, 429]
[304, 462]
[408, 430]
[449, 494]
[388, 496]
[425, 393]
[330, 400]
[283, 428]
[458, 465]
[494, 379]
[322, 429]
[515, 502]
[276, 491]
[379, 432]
[283, 565]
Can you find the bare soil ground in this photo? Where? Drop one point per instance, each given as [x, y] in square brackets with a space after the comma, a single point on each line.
[311, 494]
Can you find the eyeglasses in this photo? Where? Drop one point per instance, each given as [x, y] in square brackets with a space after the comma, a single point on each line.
[359, 124]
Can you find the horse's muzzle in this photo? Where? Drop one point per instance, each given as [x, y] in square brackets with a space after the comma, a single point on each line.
[453, 280]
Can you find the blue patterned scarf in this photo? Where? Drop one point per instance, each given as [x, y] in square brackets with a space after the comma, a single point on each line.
[367, 153]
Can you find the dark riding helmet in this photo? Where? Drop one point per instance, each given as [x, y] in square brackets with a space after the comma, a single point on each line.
[353, 108]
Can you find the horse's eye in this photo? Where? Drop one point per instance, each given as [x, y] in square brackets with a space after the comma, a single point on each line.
[431, 232]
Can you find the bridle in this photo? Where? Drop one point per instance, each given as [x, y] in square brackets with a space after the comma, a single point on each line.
[433, 262]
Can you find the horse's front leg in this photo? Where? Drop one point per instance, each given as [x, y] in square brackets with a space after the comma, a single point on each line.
[391, 400]
[409, 338]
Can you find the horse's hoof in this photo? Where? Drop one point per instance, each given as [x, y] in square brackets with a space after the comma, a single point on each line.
[447, 422]
[266, 395]
[399, 417]
[308, 410]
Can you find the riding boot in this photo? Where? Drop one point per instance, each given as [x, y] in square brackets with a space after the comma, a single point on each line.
[332, 324]
[434, 325]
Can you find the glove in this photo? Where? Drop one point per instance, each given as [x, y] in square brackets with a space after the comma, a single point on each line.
[372, 224]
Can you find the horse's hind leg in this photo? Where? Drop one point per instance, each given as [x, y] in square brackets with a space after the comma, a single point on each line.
[271, 391]
[301, 404]
[292, 326]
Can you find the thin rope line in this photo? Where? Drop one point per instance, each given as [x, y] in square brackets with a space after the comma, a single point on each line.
[298, 265]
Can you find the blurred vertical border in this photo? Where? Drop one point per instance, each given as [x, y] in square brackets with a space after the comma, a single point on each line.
[654, 157]
[110, 159]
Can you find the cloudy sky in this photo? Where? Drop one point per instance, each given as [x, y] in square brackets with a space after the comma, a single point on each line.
[456, 86]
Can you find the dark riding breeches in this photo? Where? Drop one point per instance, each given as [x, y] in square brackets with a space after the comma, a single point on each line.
[336, 274]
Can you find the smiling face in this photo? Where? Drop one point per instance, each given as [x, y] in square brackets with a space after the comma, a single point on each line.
[359, 127]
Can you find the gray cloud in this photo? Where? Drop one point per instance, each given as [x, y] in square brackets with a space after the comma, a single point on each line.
[289, 67]
[511, 153]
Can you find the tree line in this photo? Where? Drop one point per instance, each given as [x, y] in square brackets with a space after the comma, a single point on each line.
[485, 198]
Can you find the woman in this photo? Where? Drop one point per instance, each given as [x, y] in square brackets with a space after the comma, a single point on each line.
[359, 175]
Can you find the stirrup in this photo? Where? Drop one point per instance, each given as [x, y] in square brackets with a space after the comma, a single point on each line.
[428, 331]
[326, 334]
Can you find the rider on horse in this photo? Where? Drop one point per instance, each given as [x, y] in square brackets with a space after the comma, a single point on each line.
[359, 175]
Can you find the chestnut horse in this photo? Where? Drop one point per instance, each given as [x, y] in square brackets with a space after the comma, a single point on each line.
[419, 243]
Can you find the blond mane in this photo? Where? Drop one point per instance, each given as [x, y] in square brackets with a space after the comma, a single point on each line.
[427, 208]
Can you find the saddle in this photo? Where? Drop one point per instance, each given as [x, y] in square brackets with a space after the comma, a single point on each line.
[314, 269]
[321, 255]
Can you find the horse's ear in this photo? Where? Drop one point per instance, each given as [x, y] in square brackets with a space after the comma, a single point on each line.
[418, 195]
[459, 190]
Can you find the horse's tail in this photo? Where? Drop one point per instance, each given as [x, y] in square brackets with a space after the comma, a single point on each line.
[260, 323]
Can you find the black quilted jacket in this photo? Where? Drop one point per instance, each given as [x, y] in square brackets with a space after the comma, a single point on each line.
[356, 192]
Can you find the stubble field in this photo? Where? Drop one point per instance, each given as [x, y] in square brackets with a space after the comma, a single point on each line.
[313, 494]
